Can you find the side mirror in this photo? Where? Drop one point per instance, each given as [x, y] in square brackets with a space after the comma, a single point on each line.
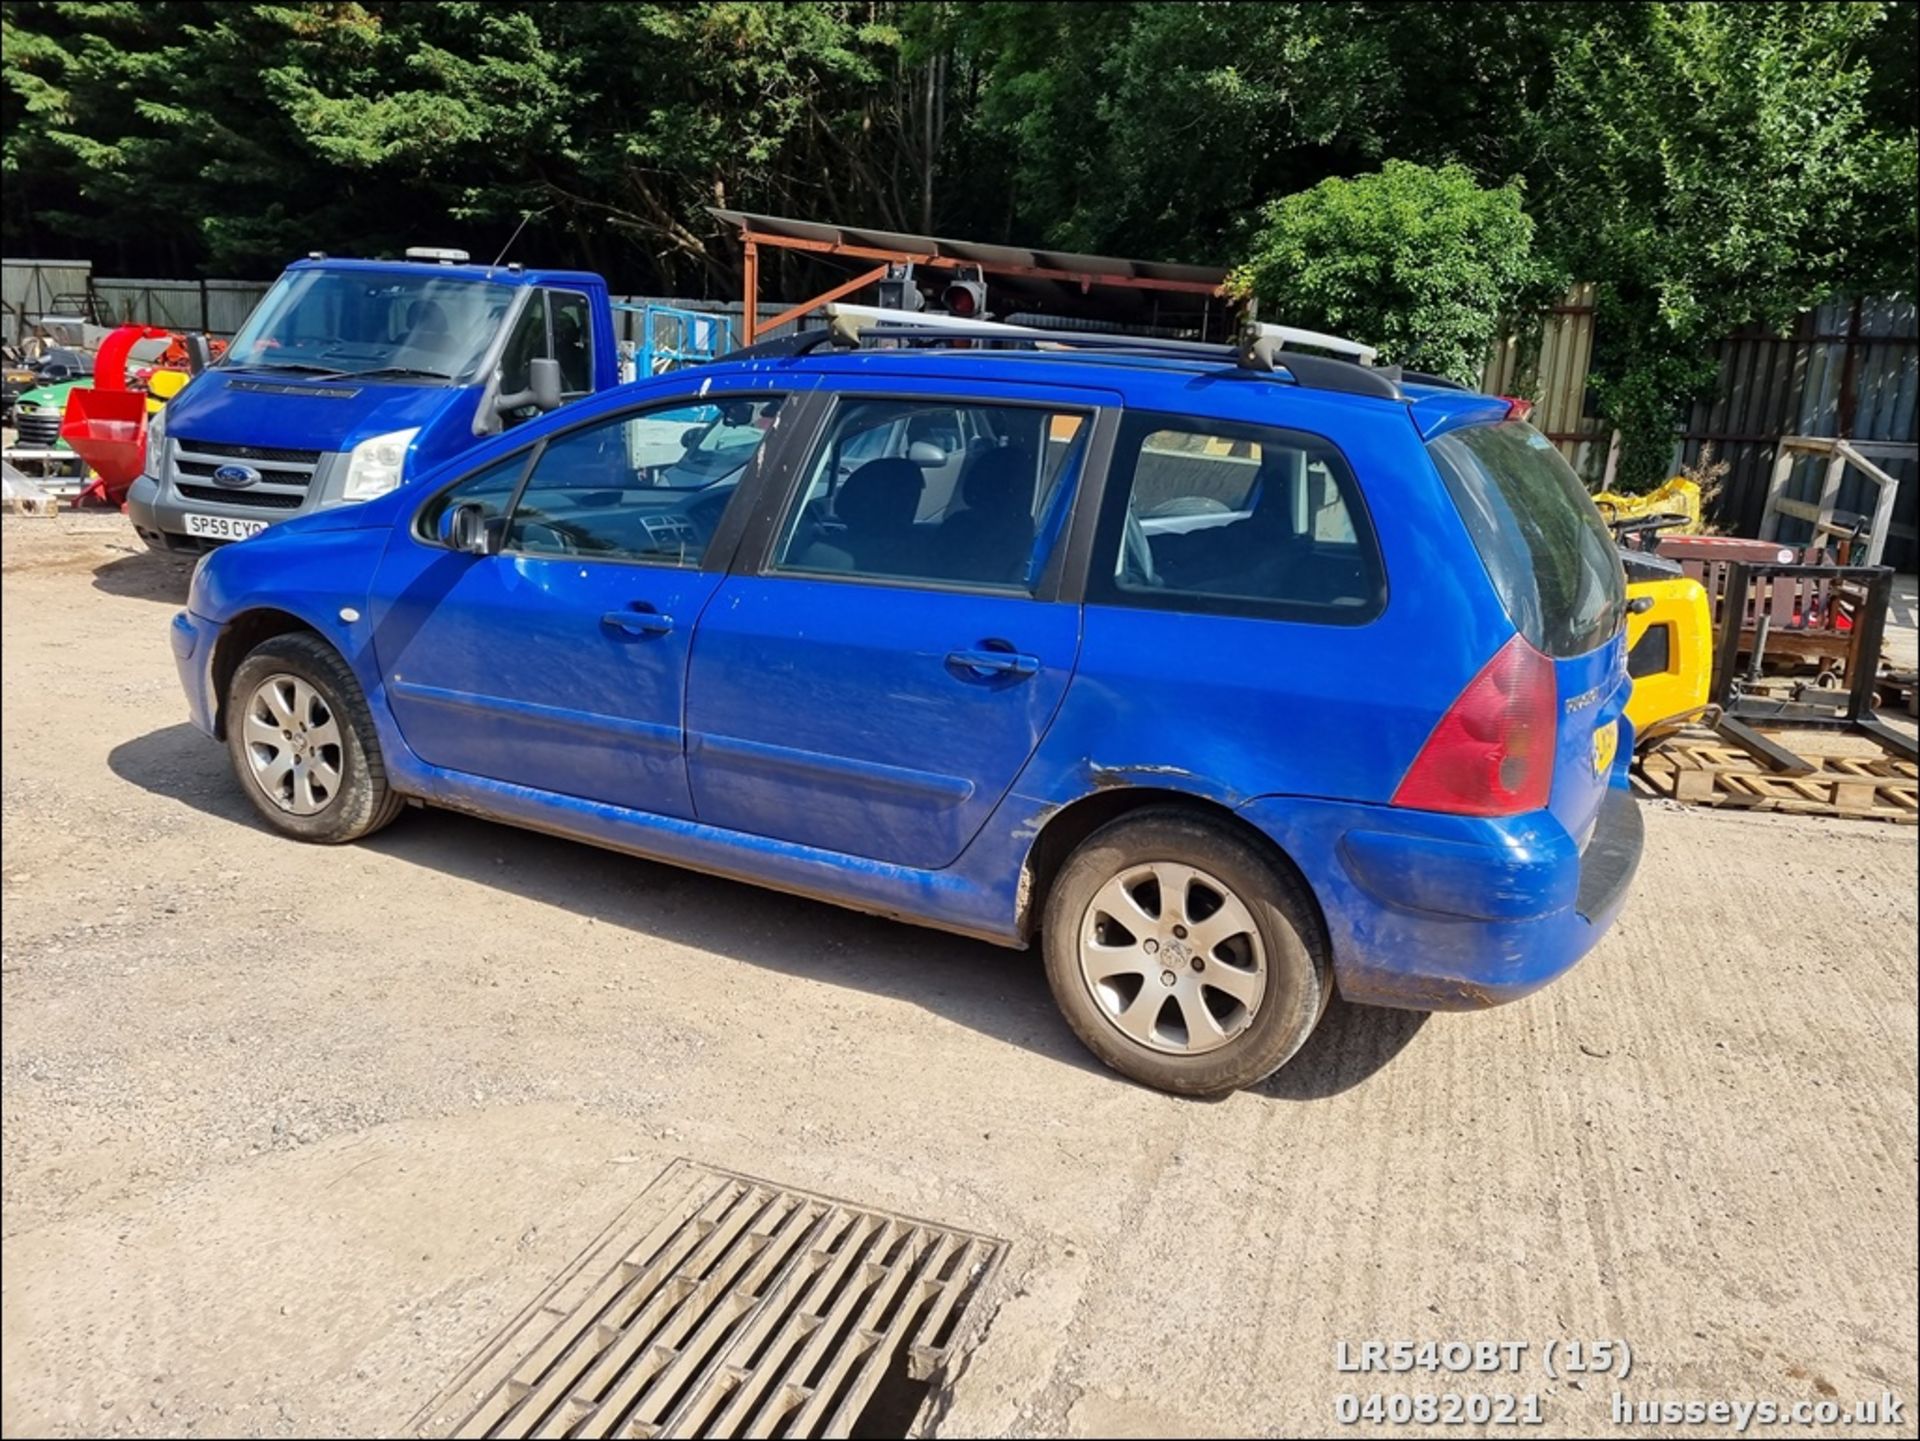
[691, 437]
[543, 388]
[464, 528]
[199, 353]
[925, 452]
[545, 375]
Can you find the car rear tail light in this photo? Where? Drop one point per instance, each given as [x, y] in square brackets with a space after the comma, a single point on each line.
[1517, 409]
[1492, 752]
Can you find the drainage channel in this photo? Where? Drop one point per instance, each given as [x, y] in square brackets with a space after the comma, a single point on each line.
[721, 1305]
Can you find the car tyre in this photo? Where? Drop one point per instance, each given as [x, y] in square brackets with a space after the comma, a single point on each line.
[1257, 962]
[302, 743]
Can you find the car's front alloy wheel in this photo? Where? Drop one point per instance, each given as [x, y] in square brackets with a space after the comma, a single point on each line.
[293, 744]
[303, 744]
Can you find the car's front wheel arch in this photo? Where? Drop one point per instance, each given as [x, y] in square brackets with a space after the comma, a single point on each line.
[238, 639]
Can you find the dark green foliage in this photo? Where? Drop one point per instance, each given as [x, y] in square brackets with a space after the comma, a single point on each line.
[1707, 165]
[1420, 262]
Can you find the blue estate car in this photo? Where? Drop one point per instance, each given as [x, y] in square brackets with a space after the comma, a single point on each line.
[1224, 684]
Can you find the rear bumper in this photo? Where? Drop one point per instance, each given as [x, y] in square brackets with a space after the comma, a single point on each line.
[1445, 913]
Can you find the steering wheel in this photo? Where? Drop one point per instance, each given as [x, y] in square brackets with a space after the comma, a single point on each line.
[1137, 552]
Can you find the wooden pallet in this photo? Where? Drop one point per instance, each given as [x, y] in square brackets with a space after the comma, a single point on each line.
[1701, 769]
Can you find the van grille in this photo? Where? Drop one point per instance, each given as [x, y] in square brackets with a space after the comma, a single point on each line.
[285, 474]
[258, 499]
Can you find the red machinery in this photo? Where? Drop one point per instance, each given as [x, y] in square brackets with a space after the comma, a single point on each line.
[106, 424]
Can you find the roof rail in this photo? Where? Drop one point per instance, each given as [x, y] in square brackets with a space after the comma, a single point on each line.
[854, 325]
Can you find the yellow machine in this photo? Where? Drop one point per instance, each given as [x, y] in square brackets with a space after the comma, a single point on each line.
[1669, 653]
[1677, 502]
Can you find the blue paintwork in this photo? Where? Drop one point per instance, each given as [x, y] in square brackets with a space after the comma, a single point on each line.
[813, 734]
[226, 404]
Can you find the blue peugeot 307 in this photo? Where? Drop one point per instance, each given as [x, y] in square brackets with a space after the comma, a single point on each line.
[1222, 676]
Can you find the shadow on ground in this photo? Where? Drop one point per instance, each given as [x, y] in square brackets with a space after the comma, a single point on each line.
[999, 993]
[147, 575]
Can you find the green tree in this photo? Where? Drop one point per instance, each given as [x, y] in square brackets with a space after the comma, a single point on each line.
[1711, 166]
[1422, 263]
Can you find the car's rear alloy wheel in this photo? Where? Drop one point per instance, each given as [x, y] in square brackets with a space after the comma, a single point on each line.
[1183, 954]
[1173, 958]
[303, 743]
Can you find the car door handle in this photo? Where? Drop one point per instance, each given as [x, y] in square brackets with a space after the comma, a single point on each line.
[993, 662]
[638, 622]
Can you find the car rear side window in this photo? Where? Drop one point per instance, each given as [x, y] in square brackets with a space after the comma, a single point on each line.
[1543, 543]
[1237, 519]
[957, 495]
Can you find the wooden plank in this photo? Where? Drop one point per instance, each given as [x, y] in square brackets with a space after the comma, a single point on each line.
[1697, 768]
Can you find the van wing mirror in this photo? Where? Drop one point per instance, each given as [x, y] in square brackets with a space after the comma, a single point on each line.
[199, 353]
[543, 388]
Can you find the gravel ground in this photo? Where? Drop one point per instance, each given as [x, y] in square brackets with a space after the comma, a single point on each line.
[289, 1133]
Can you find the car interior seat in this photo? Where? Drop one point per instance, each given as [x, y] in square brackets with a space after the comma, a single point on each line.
[875, 507]
[991, 538]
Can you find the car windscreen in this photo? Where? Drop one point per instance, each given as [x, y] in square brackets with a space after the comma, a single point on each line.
[1543, 543]
[346, 322]
[722, 440]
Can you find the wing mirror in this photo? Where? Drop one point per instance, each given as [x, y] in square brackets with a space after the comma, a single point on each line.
[467, 528]
[199, 353]
[543, 388]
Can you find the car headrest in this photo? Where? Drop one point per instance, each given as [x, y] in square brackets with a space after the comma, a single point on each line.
[999, 481]
[883, 494]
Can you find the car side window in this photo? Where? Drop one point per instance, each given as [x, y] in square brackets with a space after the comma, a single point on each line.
[490, 489]
[1236, 518]
[914, 490]
[648, 486]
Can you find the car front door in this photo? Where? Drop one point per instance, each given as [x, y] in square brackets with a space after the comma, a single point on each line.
[871, 682]
[559, 660]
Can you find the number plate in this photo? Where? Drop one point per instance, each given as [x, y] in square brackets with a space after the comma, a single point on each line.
[1606, 741]
[223, 527]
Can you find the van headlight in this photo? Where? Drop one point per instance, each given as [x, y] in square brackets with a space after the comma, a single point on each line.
[374, 466]
[155, 464]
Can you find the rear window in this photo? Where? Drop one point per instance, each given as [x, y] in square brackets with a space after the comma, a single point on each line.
[1544, 545]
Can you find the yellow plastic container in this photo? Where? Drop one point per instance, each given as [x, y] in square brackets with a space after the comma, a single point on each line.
[1669, 656]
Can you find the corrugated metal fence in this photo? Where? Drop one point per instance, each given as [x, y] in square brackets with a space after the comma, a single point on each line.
[1847, 369]
[1550, 366]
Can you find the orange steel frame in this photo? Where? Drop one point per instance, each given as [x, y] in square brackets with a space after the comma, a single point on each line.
[752, 240]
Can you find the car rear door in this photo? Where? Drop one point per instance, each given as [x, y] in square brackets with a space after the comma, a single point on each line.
[866, 684]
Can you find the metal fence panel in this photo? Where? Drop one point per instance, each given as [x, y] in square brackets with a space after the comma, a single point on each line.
[1846, 369]
[32, 288]
[230, 302]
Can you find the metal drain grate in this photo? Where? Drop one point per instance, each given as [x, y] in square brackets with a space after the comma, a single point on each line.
[720, 1305]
